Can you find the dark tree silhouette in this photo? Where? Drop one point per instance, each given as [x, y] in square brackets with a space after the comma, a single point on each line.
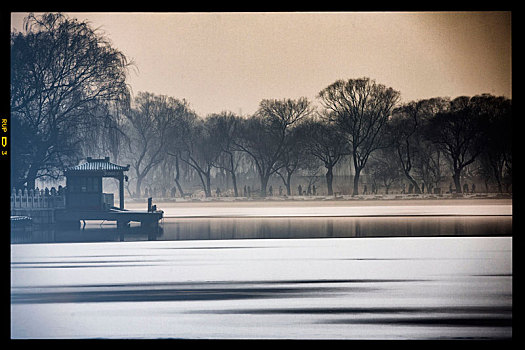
[179, 137]
[294, 155]
[383, 169]
[496, 115]
[224, 132]
[405, 132]
[459, 134]
[148, 128]
[325, 141]
[201, 150]
[361, 108]
[61, 72]
[263, 136]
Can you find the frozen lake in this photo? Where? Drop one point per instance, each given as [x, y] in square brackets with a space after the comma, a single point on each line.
[349, 288]
[209, 283]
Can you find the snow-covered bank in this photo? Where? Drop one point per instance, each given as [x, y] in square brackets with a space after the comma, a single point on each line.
[319, 208]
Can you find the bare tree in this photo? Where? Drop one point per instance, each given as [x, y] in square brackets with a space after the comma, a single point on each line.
[180, 134]
[62, 71]
[458, 133]
[224, 131]
[148, 129]
[200, 150]
[263, 136]
[361, 108]
[294, 156]
[496, 114]
[326, 142]
[405, 132]
[383, 169]
[429, 165]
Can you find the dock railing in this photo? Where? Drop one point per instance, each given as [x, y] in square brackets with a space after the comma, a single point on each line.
[38, 198]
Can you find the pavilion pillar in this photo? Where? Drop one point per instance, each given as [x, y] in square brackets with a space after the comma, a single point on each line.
[121, 191]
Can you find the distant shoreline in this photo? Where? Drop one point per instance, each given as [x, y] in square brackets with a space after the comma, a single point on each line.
[344, 200]
[320, 207]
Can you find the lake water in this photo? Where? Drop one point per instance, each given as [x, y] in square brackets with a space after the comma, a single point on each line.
[267, 277]
[274, 228]
[296, 220]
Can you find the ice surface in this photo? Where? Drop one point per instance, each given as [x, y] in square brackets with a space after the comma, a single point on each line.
[330, 288]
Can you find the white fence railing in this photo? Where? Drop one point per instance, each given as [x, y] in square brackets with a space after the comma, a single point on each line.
[37, 199]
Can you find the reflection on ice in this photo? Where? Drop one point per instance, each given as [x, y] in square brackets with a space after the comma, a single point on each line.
[315, 227]
[273, 228]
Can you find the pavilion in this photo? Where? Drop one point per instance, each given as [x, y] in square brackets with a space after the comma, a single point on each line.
[84, 184]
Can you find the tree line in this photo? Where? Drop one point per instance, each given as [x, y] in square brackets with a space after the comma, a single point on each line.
[69, 100]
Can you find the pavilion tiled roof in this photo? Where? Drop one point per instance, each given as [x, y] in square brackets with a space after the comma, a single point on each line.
[98, 164]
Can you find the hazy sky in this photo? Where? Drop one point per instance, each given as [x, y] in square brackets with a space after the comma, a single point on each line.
[231, 61]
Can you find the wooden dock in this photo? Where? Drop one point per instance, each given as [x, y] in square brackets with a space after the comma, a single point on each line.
[147, 219]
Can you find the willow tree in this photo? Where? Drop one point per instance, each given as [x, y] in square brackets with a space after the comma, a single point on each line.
[62, 72]
[361, 109]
